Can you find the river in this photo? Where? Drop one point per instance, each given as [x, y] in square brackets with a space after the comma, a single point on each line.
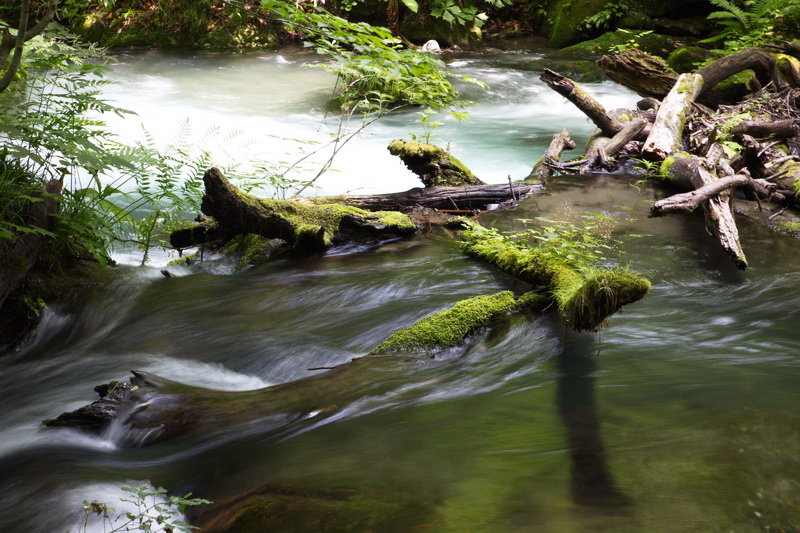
[680, 415]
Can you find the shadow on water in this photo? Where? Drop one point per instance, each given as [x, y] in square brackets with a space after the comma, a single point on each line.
[591, 481]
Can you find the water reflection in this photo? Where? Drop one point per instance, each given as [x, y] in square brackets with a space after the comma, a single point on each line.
[591, 481]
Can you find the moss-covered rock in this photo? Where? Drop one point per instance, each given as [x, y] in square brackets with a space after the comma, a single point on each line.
[585, 296]
[450, 327]
[434, 166]
[687, 58]
[565, 18]
[290, 509]
[651, 43]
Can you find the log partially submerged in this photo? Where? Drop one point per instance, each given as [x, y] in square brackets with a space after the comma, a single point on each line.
[544, 167]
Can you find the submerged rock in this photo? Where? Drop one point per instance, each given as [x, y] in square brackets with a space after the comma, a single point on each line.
[282, 508]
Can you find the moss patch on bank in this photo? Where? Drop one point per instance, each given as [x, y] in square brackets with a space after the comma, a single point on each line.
[450, 327]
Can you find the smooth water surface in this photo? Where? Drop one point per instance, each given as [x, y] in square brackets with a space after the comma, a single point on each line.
[681, 415]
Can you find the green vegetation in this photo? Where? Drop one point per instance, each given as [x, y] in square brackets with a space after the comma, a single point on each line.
[155, 511]
[449, 327]
[564, 258]
[752, 22]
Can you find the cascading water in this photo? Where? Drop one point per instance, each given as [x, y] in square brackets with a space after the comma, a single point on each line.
[680, 416]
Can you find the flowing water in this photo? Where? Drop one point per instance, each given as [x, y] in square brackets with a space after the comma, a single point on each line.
[681, 415]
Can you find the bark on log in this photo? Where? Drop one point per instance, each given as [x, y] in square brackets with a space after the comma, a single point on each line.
[607, 150]
[203, 232]
[583, 101]
[22, 256]
[543, 168]
[474, 198]
[643, 73]
[303, 226]
[694, 173]
[786, 129]
[689, 201]
[434, 166]
[666, 134]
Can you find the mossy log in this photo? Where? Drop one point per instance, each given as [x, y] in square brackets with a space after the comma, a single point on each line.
[544, 167]
[198, 233]
[586, 297]
[434, 166]
[667, 132]
[764, 65]
[771, 163]
[450, 327]
[173, 409]
[303, 226]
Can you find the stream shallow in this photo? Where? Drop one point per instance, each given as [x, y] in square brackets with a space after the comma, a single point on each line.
[681, 415]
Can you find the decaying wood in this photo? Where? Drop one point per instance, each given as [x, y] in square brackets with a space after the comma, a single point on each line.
[695, 173]
[689, 201]
[665, 136]
[22, 255]
[583, 101]
[758, 128]
[434, 167]
[640, 72]
[602, 153]
[476, 197]
[761, 63]
[544, 167]
[302, 226]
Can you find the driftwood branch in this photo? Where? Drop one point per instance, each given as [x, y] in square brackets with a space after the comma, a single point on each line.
[583, 101]
[544, 167]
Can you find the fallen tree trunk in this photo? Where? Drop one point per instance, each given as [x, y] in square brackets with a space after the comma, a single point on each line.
[689, 201]
[647, 75]
[761, 63]
[667, 132]
[466, 199]
[573, 92]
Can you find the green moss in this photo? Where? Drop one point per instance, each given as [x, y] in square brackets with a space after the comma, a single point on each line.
[788, 228]
[449, 327]
[434, 166]
[687, 58]
[652, 43]
[184, 260]
[566, 16]
[585, 296]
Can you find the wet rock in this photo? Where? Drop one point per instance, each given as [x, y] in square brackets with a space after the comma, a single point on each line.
[97, 416]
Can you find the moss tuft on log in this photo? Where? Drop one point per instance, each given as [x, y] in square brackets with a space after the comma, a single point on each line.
[434, 166]
[448, 328]
[586, 297]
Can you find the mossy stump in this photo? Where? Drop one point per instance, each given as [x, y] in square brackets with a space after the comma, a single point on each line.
[434, 166]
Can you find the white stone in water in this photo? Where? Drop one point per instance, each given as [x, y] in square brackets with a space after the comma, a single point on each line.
[432, 47]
